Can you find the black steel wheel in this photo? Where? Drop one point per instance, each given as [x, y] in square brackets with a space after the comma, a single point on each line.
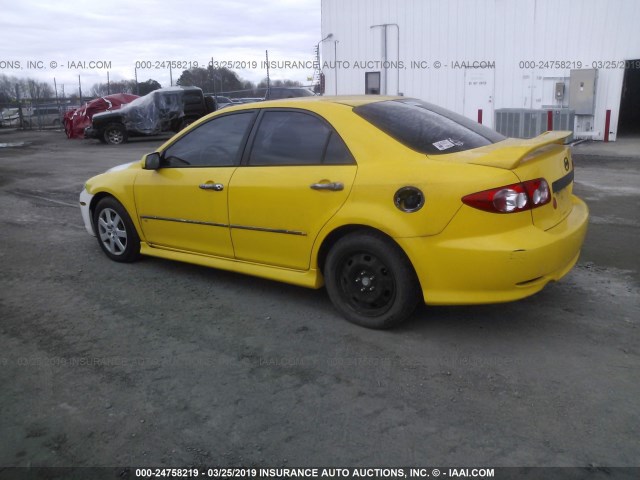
[371, 281]
[116, 234]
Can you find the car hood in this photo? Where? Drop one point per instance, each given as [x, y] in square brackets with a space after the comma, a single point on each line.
[124, 166]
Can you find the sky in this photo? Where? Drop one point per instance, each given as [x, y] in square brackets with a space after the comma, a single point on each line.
[44, 40]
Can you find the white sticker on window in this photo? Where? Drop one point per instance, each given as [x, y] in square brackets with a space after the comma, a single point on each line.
[447, 143]
[444, 144]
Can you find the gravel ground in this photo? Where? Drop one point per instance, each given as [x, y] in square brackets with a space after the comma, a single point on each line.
[167, 364]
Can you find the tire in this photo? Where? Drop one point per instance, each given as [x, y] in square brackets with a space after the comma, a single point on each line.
[115, 134]
[371, 281]
[116, 234]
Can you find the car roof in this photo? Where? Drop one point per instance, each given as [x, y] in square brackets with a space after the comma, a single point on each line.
[303, 102]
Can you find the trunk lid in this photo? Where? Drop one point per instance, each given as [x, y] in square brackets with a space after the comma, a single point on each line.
[544, 156]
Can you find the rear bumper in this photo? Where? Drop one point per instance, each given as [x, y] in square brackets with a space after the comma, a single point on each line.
[454, 269]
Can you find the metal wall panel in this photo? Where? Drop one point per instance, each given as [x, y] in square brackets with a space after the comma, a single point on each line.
[533, 43]
[582, 93]
[527, 123]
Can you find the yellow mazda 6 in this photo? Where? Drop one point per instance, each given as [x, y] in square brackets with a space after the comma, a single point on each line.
[388, 201]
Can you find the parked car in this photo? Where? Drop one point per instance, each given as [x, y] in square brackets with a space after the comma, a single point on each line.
[76, 121]
[277, 93]
[37, 116]
[222, 102]
[42, 116]
[388, 201]
[247, 100]
[163, 110]
[9, 117]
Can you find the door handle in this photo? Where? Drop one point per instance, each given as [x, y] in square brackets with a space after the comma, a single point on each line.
[332, 186]
[212, 186]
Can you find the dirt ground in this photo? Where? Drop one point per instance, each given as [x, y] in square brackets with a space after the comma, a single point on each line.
[159, 363]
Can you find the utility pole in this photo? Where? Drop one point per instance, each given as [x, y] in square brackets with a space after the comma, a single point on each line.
[335, 59]
[319, 74]
[19, 106]
[55, 89]
[266, 52]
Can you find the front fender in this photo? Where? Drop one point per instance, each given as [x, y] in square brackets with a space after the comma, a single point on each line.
[119, 185]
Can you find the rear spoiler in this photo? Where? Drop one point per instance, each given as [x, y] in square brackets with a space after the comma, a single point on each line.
[509, 153]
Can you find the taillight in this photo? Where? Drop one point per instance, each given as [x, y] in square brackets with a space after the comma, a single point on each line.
[511, 198]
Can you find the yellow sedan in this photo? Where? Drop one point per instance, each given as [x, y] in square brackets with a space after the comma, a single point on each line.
[388, 201]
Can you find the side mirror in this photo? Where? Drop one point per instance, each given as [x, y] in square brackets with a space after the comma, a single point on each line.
[152, 161]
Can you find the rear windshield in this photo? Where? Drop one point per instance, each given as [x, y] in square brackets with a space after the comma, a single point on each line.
[427, 128]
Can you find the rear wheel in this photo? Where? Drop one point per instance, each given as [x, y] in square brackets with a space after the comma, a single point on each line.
[370, 280]
[116, 234]
[115, 134]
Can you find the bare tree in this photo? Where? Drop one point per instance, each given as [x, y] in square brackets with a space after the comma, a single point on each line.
[148, 86]
[38, 90]
[121, 86]
[8, 87]
[211, 80]
[279, 83]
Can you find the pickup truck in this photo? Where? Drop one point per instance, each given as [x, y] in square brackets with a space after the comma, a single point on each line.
[164, 110]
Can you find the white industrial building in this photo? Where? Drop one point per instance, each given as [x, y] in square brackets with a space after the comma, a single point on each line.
[519, 59]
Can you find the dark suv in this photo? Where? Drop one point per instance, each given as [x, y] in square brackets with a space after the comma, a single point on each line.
[164, 110]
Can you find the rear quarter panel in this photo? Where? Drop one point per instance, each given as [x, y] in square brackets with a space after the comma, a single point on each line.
[384, 166]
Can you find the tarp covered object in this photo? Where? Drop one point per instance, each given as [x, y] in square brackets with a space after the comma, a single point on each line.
[158, 111]
[76, 120]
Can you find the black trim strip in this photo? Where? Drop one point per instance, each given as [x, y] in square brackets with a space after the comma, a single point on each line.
[562, 182]
[182, 220]
[270, 230]
[212, 224]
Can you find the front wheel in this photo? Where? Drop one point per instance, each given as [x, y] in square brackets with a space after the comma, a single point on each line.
[371, 281]
[116, 234]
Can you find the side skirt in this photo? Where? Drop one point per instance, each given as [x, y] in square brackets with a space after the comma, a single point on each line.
[303, 278]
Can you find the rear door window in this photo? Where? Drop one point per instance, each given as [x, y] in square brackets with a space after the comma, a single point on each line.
[296, 138]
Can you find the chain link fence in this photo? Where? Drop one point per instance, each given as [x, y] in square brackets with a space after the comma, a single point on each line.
[38, 114]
